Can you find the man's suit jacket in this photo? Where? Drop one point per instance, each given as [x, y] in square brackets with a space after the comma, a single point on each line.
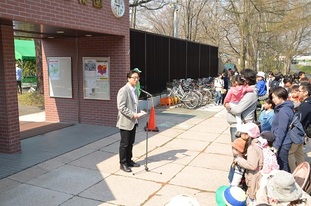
[126, 108]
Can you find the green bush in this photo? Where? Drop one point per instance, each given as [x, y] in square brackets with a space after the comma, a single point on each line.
[29, 67]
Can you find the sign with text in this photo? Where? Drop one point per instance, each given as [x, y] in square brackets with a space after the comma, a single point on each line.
[59, 70]
[96, 80]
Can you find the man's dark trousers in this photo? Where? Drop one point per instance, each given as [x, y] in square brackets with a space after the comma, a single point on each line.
[126, 145]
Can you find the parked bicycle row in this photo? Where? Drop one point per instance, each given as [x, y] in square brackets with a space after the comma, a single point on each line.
[192, 93]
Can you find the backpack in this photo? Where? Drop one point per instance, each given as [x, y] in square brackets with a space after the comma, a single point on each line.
[274, 84]
[295, 130]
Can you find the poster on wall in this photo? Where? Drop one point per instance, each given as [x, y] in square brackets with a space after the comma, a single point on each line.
[96, 78]
[59, 71]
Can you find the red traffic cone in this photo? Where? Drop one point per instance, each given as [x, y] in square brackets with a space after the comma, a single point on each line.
[152, 122]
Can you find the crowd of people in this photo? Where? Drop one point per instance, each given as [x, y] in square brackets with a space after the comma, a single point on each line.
[267, 149]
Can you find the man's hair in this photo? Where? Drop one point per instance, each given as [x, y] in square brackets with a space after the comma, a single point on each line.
[280, 92]
[304, 79]
[296, 76]
[294, 88]
[129, 74]
[301, 73]
[306, 87]
[249, 75]
[278, 76]
[270, 73]
[288, 79]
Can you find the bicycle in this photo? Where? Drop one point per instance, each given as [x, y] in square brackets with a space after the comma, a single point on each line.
[189, 98]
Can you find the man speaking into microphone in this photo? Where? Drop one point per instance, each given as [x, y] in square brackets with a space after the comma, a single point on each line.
[127, 120]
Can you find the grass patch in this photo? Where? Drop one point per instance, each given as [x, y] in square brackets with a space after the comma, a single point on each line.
[31, 99]
[306, 69]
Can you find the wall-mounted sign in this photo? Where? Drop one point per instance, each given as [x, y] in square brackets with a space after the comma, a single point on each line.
[96, 84]
[59, 69]
[98, 3]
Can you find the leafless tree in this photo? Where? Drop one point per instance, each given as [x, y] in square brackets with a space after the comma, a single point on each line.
[252, 33]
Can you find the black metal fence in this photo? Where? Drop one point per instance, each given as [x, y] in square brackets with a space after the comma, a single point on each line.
[162, 59]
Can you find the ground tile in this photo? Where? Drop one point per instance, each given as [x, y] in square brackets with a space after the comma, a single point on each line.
[99, 161]
[170, 191]
[68, 179]
[31, 195]
[79, 201]
[219, 148]
[200, 178]
[7, 184]
[28, 174]
[213, 161]
[121, 190]
[197, 135]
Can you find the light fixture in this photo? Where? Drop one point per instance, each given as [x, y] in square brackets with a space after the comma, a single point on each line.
[88, 35]
[60, 32]
[51, 37]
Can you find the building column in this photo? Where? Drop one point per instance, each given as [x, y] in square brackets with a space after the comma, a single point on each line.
[9, 116]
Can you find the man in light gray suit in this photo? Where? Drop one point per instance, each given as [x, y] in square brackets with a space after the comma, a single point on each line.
[127, 103]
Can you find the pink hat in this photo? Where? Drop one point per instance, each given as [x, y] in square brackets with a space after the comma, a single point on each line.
[249, 128]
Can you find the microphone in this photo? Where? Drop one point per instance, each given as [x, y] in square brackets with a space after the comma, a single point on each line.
[146, 92]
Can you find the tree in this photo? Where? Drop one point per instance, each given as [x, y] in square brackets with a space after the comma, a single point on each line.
[38, 47]
[251, 33]
[146, 5]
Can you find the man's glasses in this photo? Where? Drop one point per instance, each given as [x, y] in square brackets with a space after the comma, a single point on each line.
[135, 78]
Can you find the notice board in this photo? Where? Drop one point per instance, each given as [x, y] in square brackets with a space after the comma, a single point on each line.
[60, 82]
[96, 78]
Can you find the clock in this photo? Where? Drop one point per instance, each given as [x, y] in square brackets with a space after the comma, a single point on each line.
[118, 7]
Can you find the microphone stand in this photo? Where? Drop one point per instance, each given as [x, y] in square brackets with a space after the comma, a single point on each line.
[146, 129]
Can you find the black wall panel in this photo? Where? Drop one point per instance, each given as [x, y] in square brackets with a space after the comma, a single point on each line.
[162, 59]
[177, 59]
[193, 60]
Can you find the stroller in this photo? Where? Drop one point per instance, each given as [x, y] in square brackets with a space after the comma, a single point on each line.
[303, 177]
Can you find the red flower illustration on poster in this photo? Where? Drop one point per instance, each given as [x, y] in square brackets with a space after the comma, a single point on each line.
[102, 69]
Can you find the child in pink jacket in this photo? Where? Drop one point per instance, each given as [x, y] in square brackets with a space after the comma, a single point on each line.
[236, 93]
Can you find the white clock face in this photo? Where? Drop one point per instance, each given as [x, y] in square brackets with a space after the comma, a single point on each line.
[118, 7]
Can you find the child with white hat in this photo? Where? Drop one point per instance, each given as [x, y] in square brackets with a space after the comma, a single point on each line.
[282, 189]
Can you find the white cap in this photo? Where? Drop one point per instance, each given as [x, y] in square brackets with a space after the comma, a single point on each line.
[261, 74]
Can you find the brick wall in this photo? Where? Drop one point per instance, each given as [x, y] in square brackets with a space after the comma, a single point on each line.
[67, 14]
[9, 124]
[72, 15]
[78, 109]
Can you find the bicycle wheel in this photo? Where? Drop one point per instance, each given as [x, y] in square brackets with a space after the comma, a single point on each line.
[206, 98]
[200, 97]
[209, 96]
[191, 100]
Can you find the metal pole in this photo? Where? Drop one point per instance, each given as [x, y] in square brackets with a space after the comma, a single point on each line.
[175, 20]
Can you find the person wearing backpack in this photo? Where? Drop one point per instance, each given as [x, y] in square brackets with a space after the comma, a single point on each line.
[304, 93]
[276, 81]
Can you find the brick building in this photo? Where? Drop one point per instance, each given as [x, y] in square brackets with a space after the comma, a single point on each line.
[74, 29]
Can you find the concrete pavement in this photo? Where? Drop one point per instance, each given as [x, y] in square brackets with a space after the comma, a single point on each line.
[190, 155]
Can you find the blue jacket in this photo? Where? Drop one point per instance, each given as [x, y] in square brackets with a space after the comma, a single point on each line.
[265, 120]
[262, 88]
[284, 114]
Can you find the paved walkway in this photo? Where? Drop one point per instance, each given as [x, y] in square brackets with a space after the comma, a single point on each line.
[190, 155]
